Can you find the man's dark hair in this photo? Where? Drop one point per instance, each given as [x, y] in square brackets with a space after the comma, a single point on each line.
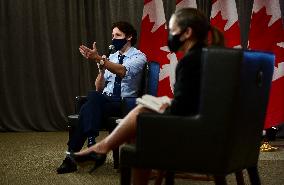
[127, 29]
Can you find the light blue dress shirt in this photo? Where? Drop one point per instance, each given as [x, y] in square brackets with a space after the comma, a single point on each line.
[134, 62]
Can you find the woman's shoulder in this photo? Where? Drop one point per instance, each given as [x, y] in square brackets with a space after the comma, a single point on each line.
[192, 56]
[195, 51]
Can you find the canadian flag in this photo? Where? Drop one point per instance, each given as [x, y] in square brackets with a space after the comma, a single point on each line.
[267, 34]
[168, 70]
[224, 16]
[153, 40]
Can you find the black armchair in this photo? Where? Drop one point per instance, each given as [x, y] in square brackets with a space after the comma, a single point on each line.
[149, 85]
[224, 137]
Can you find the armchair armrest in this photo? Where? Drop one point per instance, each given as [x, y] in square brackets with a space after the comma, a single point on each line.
[162, 137]
[164, 131]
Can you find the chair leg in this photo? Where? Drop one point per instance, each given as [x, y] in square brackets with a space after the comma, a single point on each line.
[240, 178]
[220, 180]
[115, 156]
[125, 176]
[170, 178]
[70, 132]
[159, 178]
[253, 175]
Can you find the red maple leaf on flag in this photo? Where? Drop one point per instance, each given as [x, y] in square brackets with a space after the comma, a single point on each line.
[224, 16]
[232, 35]
[218, 22]
[267, 38]
[150, 43]
[153, 38]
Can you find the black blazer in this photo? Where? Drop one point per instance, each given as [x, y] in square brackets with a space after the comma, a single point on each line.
[187, 85]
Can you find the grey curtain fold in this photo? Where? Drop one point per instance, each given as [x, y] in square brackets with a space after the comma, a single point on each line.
[39, 63]
[41, 70]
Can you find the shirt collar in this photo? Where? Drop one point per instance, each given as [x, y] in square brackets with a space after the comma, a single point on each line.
[127, 54]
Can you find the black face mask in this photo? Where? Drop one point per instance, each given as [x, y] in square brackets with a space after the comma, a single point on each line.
[118, 43]
[174, 43]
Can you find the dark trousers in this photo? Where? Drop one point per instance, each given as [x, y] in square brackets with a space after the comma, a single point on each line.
[91, 117]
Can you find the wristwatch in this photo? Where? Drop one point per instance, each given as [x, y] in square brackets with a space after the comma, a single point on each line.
[102, 61]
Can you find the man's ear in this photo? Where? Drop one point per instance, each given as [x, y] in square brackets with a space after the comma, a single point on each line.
[129, 38]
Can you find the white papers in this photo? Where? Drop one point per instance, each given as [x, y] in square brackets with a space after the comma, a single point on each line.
[154, 103]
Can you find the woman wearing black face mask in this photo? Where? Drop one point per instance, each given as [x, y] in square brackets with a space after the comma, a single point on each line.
[188, 33]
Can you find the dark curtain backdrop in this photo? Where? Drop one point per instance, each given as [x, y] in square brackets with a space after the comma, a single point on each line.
[41, 70]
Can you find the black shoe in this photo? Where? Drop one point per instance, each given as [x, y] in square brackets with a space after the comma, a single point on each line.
[67, 166]
[99, 159]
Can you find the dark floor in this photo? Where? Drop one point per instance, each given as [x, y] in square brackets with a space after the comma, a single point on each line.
[31, 158]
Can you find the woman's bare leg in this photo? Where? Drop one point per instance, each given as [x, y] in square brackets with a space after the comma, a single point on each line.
[125, 131]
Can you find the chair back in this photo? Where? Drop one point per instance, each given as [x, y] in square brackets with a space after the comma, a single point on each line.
[150, 78]
[234, 97]
[149, 85]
